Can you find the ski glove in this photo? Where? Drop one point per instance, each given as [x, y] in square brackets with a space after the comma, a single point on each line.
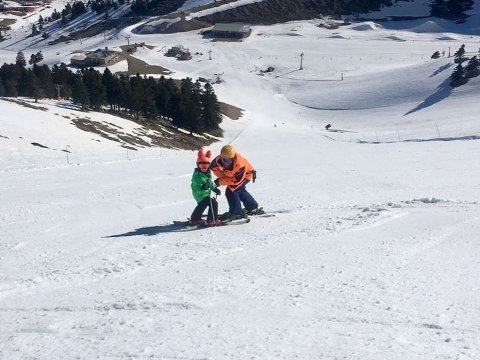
[217, 182]
[217, 191]
[206, 185]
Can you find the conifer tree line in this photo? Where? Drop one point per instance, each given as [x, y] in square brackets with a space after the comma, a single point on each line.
[451, 9]
[189, 105]
[461, 74]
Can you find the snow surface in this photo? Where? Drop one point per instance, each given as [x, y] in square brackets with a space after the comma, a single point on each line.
[373, 251]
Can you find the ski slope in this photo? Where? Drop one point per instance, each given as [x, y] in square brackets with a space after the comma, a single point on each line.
[373, 250]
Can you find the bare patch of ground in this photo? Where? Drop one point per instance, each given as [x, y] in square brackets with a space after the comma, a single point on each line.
[149, 134]
[231, 111]
[137, 66]
[5, 23]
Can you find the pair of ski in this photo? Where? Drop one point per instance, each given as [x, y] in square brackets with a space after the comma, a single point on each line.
[243, 220]
[189, 226]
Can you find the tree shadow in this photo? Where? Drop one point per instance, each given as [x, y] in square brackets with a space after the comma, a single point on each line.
[150, 231]
[443, 91]
[440, 69]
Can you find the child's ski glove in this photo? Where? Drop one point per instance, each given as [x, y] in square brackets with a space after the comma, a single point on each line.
[206, 185]
[217, 191]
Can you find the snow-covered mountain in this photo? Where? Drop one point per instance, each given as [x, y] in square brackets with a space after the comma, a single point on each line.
[372, 252]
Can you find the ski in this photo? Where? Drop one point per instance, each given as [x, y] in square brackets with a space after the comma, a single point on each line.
[188, 226]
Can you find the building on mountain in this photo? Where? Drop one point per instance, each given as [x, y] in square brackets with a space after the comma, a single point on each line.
[232, 31]
[99, 57]
[133, 47]
[103, 57]
[78, 60]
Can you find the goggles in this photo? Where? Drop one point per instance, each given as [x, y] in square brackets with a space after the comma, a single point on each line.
[203, 165]
[227, 160]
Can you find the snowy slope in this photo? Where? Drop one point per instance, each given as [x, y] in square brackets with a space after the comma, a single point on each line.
[372, 252]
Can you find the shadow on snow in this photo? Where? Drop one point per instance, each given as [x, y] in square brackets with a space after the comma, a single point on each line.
[150, 231]
[443, 91]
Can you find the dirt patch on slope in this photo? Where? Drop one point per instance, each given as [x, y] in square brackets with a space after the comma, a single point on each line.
[137, 66]
[231, 111]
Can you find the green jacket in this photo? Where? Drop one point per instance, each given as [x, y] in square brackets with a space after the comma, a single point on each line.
[198, 179]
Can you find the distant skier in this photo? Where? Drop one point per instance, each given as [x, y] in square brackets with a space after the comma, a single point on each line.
[235, 172]
[328, 126]
[201, 186]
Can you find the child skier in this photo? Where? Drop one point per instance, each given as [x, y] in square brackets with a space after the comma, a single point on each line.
[201, 186]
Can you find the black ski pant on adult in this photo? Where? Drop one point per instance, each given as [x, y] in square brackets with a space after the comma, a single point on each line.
[202, 205]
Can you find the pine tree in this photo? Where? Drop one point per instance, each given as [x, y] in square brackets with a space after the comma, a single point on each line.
[80, 93]
[438, 8]
[473, 68]
[44, 76]
[450, 9]
[108, 80]
[457, 8]
[96, 90]
[210, 109]
[163, 98]
[38, 92]
[188, 110]
[458, 76]
[11, 88]
[35, 31]
[458, 56]
[35, 58]
[25, 83]
[20, 60]
[61, 75]
[78, 8]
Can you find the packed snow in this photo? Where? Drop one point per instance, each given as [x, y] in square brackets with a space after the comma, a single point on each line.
[372, 251]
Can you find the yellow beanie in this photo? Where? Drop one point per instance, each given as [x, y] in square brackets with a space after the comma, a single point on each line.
[228, 152]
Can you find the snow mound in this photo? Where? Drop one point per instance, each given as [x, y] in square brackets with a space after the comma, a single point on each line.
[395, 38]
[338, 37]
[429, 26]
[446, 38]
[428, 200]
[368, 26]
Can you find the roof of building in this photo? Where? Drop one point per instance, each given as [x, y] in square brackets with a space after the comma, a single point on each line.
[232, 27]
[78, 57]
[104, 52]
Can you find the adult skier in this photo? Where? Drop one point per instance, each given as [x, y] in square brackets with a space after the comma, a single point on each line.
[235, 172]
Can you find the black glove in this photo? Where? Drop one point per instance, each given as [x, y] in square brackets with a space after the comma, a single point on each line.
[217, 182]
[217, 191]
[254, 174]
[206, 185]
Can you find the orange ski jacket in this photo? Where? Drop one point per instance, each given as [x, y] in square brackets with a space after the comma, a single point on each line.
[241, 172]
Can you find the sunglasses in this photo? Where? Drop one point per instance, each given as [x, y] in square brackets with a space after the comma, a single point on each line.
[227, 160]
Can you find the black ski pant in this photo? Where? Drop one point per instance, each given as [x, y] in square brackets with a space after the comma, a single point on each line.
[202, 205]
